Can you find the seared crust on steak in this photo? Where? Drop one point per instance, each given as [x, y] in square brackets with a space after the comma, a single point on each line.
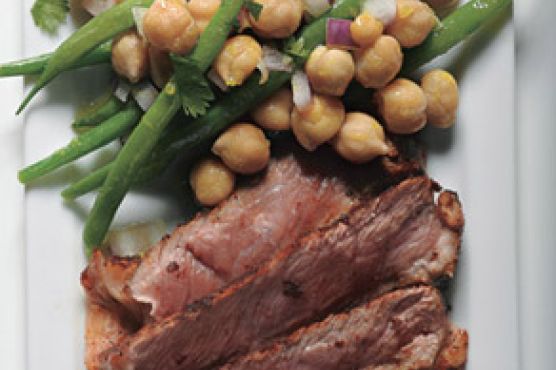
[454, 353]
[105, 281]
[385, 242]
[104, 330]
[449, 210]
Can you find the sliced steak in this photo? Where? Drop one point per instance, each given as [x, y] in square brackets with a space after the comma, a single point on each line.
[298, 194]
[401, 237]
[405, 329]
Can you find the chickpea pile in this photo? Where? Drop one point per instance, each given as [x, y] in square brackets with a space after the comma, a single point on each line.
[174, 26]
[402, 106]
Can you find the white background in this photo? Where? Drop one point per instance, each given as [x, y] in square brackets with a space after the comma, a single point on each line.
[536, 113]
[483, 302]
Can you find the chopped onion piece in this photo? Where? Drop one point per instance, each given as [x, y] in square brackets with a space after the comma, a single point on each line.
[261, 66]
[145, 94]
[95, 7]
[383, 10]
[138, 15]
[277, 61]
[338, 34]
[273, 61]
[215, 78]
[133, 240]
[316, 7]
[301, 89]
[122, 90]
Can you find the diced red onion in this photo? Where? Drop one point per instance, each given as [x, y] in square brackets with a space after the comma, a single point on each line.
[383, 10]
[145, 94]
[135, 239]
[316, 7]
[338, 34]
[213, 76]
[95, 7]
[138, 15]
[122, 90]
[301, 89]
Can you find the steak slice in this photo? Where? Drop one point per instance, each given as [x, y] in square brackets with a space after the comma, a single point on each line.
[298, 194]
[401, 237]
[405, 329]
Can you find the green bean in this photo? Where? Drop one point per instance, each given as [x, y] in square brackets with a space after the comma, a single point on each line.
[95, 179]
[85, 143]
[452, 30]
[145, 136]
[92, 181]
[35, 65]
[130, 158]
[98, 30]
[98, 112]
[216, 33]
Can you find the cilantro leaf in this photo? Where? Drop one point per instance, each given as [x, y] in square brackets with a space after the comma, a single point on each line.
[296, 48]
[194, 89]
[48, 15]
[254, 8]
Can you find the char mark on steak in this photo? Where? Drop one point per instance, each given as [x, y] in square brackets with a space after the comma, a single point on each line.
[297, 194]
[405, 329]
[398, 238]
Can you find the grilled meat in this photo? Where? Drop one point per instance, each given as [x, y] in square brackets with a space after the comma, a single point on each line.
[405, 329]
[298, 193]
[398, 238]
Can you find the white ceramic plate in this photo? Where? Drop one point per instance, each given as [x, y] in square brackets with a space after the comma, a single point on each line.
[477, 158]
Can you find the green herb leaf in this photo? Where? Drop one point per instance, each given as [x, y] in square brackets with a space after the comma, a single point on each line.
[194, 89]
[254, 8]
[296, 48]
[48, 15]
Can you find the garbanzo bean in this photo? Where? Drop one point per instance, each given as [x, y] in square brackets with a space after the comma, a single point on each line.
[365, 30]
[161, 67]
[169, 26]
[379, 64]
[275, 113]
[361, 138]
[330, 70]
[238, 59]
[130, 57]
[211, 181]
[403, 106]
[243, 148]
[202, 11]
[319, 122]
[413, 23]
[278, 18]
[441, 90]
